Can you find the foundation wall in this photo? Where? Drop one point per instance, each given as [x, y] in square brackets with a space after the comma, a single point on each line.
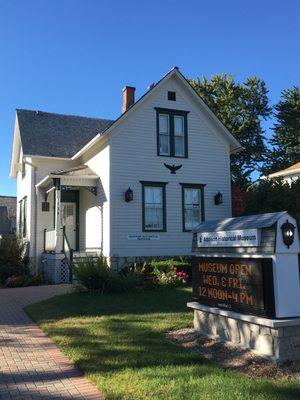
[278, 340]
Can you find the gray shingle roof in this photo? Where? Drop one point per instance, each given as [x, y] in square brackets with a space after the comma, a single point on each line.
[57, 135]
[248, 222]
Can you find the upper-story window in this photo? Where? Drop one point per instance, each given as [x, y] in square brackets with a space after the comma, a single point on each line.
[164, 134]
[172, 133]
[172, 96]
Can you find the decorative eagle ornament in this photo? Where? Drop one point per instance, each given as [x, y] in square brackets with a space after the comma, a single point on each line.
[173, 168]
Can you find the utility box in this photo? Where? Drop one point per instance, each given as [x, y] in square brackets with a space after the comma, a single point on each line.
[246, 269]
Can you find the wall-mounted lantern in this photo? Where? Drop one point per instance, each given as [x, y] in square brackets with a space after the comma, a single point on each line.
[128, 195]
[218, 198]
[288, 233]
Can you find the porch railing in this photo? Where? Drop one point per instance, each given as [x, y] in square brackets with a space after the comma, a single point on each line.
[49, 239]
[68, 251]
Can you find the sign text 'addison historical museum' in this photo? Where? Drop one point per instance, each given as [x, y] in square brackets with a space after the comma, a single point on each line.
[236, 238]
[237, 284]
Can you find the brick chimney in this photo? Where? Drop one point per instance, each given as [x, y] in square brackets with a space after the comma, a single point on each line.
[128, 97]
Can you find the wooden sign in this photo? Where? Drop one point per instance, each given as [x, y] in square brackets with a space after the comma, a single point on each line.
[236, 284]
[45, 206]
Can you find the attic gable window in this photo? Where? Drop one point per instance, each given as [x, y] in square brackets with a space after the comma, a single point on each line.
[172, 132]
[172, 96]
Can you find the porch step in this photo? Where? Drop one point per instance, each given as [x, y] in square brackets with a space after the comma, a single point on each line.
[84, 254]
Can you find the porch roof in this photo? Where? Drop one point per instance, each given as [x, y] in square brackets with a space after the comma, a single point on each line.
[81, 175]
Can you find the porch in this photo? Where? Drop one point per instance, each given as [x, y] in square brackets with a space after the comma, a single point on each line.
[70, 216]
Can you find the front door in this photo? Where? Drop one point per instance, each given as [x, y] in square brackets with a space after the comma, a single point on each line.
[68, 219]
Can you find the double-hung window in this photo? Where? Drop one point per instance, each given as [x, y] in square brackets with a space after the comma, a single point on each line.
[192, 205]
[164, 134]
[172, 138]
[154, 206]
[179, 142]
[23, 217]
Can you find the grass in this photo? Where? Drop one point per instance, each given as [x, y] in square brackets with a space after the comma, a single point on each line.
[118, 342]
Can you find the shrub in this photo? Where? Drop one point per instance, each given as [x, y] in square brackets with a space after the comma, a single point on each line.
[11, 257]
[23, 280]
[170, 272]
[274, 195]
[96, 276]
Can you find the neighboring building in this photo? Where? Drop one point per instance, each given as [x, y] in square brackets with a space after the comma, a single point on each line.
[289, 174]
[112, 184]
[8, 206]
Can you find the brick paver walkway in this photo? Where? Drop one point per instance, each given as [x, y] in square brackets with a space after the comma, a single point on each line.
[31, 366]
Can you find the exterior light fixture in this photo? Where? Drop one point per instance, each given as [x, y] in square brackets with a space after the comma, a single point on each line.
[288, 233]
[128, 195]
[218, 198]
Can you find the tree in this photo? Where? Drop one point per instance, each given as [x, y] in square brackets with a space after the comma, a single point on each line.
[285, 143]
[273, 195]
[241, 107]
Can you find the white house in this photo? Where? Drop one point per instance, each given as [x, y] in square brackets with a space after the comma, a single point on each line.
[133, 187]
[289, 175]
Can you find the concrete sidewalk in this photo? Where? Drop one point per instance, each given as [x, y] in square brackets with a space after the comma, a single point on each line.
[31, 366]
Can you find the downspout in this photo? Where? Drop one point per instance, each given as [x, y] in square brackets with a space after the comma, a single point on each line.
[34, 212]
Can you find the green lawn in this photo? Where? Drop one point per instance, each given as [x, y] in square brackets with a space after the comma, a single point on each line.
[118, 342]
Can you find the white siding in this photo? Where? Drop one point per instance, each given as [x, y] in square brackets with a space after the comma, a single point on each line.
[90, 238]
[24, 189]
[133, 152]
[98, 217]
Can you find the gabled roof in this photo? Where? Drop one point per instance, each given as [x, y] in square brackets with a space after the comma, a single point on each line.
[56, 135]
[235, 146]
[248, 222]
[68, 136]
[10, 202]
[293, 169]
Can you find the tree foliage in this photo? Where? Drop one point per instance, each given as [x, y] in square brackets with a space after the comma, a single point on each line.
[273, 195]
[11, 257]
[241, 107]
[285, 143]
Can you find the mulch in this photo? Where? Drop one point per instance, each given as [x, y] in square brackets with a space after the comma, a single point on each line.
[234, 358]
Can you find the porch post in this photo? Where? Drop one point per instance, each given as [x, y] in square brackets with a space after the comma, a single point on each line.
[57, 217]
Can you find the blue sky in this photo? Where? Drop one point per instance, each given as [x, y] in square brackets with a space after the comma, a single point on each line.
[75, 56]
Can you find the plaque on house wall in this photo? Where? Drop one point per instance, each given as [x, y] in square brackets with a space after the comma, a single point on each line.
[235, 284]
[45, 206]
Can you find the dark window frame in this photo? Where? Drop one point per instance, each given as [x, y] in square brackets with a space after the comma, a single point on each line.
[164, 199]
[23, 172]
[171, 95]
[23, 217]
[172, 113]
[199, 186]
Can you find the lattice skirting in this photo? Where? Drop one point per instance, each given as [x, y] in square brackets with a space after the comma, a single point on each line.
[55, 268]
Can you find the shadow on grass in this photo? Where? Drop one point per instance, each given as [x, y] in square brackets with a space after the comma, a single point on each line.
[115, 337]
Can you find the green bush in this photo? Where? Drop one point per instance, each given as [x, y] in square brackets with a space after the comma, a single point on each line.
[23, 280]
[171, 272]
[11, 257]
[96, 276]
[274, 195]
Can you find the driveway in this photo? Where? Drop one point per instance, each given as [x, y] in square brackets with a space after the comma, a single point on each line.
[31, 366]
